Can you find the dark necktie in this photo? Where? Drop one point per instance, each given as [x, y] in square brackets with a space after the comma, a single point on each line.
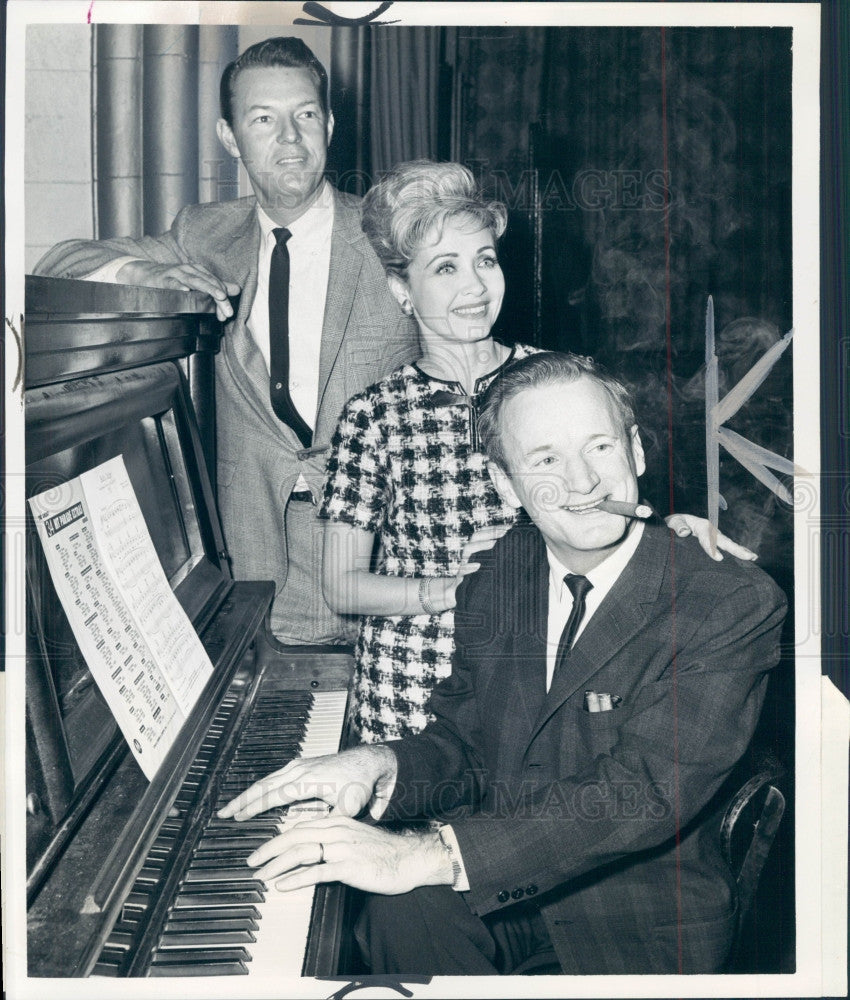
[578, 586]
[281, 401]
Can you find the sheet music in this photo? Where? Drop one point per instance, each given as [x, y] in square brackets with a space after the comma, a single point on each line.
[139, 644]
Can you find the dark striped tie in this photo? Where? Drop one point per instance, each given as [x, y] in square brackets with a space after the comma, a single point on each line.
[578, 586]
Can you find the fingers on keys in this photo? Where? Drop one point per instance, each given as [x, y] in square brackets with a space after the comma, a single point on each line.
[275, 789]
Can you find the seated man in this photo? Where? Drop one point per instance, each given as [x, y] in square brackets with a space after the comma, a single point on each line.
[608, 677]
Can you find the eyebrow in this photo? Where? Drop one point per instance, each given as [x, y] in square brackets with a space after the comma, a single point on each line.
[449, 254]
[539, 449]
[549, 447]
[268, 107]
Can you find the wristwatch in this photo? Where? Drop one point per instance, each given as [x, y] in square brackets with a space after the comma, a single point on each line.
[457, 871]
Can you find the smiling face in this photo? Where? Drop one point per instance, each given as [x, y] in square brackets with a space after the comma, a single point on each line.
[281, 134]
[454, 284]
[566, 449]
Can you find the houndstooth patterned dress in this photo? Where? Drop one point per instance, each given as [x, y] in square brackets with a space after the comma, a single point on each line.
[403, 465]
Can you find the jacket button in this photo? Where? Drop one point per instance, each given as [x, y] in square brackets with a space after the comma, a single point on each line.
[518, 893]
[503, 896]
[530, 890]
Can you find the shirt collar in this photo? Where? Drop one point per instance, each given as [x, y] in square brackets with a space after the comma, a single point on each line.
[310, 229]
[605, 575]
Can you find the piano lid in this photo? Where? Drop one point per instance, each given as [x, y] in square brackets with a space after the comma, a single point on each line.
[74, 328]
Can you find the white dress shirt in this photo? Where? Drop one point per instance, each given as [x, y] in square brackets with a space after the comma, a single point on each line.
[603, 578]
[309, 267]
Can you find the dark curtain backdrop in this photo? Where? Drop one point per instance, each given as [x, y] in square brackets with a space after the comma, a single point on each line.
[574, 128]
[405, 95]
[390, 93]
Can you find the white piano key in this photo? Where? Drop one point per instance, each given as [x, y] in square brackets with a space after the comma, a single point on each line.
[284, 928]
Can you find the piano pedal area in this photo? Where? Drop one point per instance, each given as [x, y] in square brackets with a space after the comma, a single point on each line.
[195, 908]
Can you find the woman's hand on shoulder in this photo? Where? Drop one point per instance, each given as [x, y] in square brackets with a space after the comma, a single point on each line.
[480, 541]
[709, 538]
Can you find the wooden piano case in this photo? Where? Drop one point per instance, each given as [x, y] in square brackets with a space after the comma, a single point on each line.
[124, 370]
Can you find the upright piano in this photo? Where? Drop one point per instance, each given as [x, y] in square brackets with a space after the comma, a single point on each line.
[125, 876]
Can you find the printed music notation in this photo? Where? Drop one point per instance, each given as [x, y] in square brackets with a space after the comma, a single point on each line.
[138, 643]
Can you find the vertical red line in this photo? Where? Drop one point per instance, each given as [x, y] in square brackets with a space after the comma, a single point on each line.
[669, 342]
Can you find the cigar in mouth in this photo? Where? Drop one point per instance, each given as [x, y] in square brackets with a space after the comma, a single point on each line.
[641, 510]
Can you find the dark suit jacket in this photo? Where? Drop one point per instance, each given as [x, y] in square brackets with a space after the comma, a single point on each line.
[364, 338]
[609, 821]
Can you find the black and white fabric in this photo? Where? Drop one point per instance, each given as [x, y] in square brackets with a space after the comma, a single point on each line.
[403, 465]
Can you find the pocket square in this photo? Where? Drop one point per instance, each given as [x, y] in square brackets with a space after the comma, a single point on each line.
[600, 701]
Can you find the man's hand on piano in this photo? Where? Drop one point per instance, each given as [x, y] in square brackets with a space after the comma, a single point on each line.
[340, 849]
[348, 781]
[188, 277]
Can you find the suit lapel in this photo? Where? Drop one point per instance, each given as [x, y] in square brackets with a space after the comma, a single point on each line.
[345, 264]
[615, 622]
[532, 596]
[518, 658]
[242, 255]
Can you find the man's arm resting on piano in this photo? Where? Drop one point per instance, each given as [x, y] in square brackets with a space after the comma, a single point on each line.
[165, 261]
[338, 848]
[187, 277]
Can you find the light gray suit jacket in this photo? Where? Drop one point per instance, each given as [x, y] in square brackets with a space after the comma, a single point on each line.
[364, 337]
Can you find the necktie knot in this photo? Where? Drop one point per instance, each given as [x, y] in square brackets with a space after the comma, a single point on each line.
[577, 585]
[281, 236]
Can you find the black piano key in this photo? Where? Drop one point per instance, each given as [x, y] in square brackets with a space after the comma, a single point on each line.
[116, 957]
[244, 912]
[208, 968]
[149, 875]
[225, 922]
[228, 859]
[222, 885]
[191, 956]
[233, 845]
[153, 860]
[221, 846]
[121, 940]
[196, 876]
[137, 900]
[229, 827]
[234, 858]
[218, 898]
[205, 939]
[105, 967]
[123, 934]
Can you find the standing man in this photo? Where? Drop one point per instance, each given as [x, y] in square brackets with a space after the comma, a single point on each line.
[315, 323]
[608, 677]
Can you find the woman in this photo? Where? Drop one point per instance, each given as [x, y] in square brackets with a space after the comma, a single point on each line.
[404, 469]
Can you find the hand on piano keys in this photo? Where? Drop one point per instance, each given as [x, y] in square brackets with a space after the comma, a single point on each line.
[342, 849]
[347, 782]
[336, 847]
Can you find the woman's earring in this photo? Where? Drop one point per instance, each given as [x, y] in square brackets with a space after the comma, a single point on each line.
[407, 307]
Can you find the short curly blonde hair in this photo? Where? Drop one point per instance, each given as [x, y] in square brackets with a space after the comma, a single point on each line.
[416, 199]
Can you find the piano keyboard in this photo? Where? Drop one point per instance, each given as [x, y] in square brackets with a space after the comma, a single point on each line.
[222, 920]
